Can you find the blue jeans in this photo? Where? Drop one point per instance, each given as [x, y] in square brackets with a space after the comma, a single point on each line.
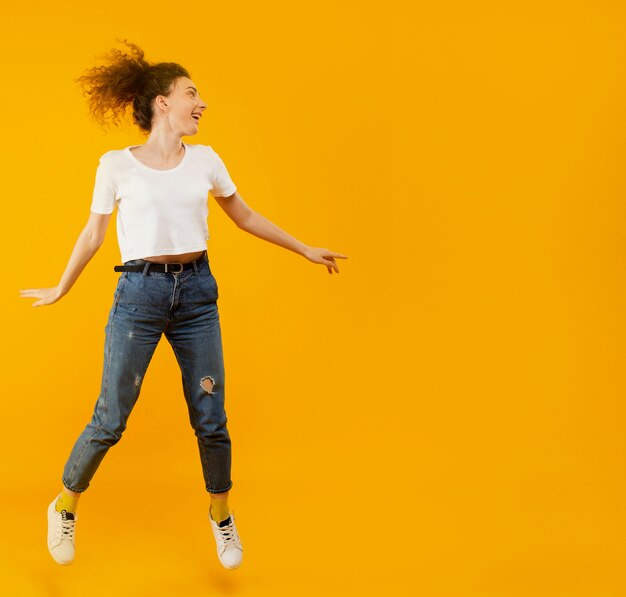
[183, 306]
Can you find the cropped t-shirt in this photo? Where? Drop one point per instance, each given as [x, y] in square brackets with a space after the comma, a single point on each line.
[160, 212]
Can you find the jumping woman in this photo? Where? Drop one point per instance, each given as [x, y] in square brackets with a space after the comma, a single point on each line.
[166, 286]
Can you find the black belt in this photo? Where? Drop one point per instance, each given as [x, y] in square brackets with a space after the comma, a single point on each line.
[172, 268]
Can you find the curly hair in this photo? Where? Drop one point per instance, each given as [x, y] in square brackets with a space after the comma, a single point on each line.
[128, 79]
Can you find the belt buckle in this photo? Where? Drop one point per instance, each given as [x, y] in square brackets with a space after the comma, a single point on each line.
[167, 266]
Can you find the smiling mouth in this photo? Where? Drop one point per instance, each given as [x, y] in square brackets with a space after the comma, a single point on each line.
[196, 117]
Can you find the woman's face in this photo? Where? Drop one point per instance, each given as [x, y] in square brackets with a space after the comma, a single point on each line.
[183, 107]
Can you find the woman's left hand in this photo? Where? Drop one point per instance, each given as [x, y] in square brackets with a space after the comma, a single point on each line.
[325, 257]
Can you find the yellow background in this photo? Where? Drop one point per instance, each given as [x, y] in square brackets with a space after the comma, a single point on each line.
[445, 416]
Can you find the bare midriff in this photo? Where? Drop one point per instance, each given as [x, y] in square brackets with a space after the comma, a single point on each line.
[182, 258]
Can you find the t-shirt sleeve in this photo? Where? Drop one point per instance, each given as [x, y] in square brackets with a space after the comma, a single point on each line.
[104, 191]
[223, 186]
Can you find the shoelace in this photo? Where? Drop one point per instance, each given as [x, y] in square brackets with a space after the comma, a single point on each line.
[66, 529]
[228, 534]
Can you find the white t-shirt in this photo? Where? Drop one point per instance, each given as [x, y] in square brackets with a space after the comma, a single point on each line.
[160, 212]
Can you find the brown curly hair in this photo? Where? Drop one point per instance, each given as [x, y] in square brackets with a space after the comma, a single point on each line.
[128, 79]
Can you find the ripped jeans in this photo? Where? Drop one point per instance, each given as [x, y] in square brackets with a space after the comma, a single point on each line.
[183, 306]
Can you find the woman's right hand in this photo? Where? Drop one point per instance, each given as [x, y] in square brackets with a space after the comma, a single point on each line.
[89, 241]
[46, 296]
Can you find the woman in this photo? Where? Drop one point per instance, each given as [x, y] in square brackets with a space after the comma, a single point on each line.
[166, 286]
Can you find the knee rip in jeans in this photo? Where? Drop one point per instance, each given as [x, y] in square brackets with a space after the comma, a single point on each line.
[207, 383]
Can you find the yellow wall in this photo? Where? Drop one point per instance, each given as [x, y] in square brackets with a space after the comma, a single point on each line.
[444, 417]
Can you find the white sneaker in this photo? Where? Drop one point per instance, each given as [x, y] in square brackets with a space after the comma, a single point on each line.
[229, 548]
[61, 534]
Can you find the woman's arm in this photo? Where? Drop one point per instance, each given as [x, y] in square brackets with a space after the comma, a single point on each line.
[253, 222]
[89, 241]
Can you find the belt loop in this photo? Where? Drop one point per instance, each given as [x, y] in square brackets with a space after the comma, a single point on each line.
[146, 268]
[195, 267]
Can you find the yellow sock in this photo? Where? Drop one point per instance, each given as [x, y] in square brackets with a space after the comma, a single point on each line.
[219, 509]
[66, 502]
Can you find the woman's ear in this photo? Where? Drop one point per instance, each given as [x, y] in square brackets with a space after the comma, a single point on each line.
[160, 102]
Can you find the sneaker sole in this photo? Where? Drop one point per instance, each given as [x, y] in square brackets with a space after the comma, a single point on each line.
[229, 567]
